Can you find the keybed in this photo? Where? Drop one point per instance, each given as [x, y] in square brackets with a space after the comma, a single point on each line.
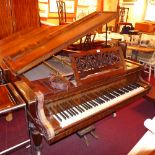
[74, 110]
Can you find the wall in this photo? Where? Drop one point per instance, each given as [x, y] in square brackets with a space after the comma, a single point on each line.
[52, 17]
[82, 8]
[17, 15]
[110, 5]
[137, 10]
[85, 7]
[150, 12]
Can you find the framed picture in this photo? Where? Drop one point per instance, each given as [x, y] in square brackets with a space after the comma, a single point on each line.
[69, 6]
[152, 2]
[43, 10]
[129, 1]
[53, 6]
[83, 2]
[68, 3]
[43, 1]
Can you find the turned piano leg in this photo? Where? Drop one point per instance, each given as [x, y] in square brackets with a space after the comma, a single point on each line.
[36, 140]
[9, 117]
[114, 114]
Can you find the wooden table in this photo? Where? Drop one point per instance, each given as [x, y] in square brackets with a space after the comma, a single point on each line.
[140, 48]
[151, 95]
[145, 146]
[137, 48]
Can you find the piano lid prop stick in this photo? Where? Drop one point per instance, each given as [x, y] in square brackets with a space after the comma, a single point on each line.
[41, 114]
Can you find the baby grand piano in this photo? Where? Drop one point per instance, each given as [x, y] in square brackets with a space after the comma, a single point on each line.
[66, 90]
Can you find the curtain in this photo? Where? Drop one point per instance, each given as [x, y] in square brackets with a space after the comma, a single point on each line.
[16, 15]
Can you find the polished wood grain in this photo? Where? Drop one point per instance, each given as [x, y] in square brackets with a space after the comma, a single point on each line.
[9, 98]
[6, 100]
[26, 58]
[140, 48]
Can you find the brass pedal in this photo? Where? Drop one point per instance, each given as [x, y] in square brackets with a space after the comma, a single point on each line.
[86, 140]
[9, 117]
[94, 134]
[114, 114]
[84, 132]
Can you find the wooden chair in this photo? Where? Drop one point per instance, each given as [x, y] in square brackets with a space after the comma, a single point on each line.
[123, 46]
[122, 18]
[151, 95]
[148, 60]
[61, 12]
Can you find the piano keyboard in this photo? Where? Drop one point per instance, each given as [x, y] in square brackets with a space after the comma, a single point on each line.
[74, 112]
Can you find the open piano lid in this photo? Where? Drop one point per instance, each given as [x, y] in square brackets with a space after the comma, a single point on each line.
[39, 50]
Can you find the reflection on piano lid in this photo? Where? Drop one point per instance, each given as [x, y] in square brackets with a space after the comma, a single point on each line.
[76, 88]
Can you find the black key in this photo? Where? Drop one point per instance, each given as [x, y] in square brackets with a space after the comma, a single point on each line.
[114, 93]
[79, 109]
[57, 108]
[62, 111]
[125, 90]
[69, 110]
[89, 106]
[89, 102]
[66, 109]
[77, 106]
[108, 93]
[111, 92]
[62, 114]
[70, 107]
[93, 103]
[96, 99]
[99, 101]
[84, 106]
[55, 114]
[137, 85]
[114, 96]
[75, 111]
[84, 100]
[108, 96]
[104, 98]
[131, 88]
[120, 92]
[131, 85]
